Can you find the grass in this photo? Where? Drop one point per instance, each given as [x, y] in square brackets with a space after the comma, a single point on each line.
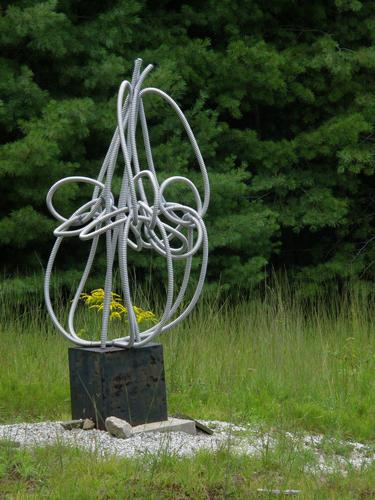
[58, 472]
[275, 359]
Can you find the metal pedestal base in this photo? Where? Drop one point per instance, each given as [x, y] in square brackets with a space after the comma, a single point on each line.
[124, 383]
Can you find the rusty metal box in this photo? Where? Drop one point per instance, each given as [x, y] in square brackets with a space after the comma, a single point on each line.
[124, 383]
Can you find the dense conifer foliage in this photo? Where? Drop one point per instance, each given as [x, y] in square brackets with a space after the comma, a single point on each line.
[279, 93]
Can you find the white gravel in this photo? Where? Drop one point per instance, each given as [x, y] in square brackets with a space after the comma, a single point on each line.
[179, 443]
[239, 439]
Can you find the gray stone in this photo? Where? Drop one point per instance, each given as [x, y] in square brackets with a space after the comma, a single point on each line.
[278, 492]
[88, 424]
[199, 425]
[170, 425]
[72, 424]
[118, 427]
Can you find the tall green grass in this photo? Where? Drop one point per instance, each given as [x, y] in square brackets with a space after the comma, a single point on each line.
[61, 473]
[275, 358]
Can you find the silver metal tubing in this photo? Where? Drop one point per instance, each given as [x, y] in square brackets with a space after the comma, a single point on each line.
[171, 228]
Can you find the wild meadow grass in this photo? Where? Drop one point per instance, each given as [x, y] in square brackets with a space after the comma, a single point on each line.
[281, 360]
[276, 360]
[61, 473]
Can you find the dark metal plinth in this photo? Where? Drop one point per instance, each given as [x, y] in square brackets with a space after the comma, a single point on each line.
[124, 383]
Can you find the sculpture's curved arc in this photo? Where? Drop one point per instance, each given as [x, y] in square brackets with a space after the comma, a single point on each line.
[170, 228]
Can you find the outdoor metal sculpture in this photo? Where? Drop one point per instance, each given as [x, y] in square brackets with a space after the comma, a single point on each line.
[132, 222]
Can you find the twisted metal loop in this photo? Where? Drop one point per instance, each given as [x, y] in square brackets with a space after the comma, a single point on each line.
[172, 229]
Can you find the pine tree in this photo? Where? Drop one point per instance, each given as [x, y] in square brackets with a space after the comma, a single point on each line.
[280, 96]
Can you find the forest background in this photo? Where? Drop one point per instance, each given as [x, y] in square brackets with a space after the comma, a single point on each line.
[280, 95]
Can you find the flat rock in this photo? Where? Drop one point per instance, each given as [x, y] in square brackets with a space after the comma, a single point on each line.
[199, 425]
[171, 425]
[118, 427]
[72, 424]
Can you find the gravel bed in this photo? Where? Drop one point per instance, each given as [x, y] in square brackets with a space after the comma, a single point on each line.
[178, 443]
[240, 439]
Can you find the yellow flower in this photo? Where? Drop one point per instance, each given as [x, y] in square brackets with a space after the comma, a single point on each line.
[115, 315]
[95, 300]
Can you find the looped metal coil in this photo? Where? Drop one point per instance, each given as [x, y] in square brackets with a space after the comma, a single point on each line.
[170, 228]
